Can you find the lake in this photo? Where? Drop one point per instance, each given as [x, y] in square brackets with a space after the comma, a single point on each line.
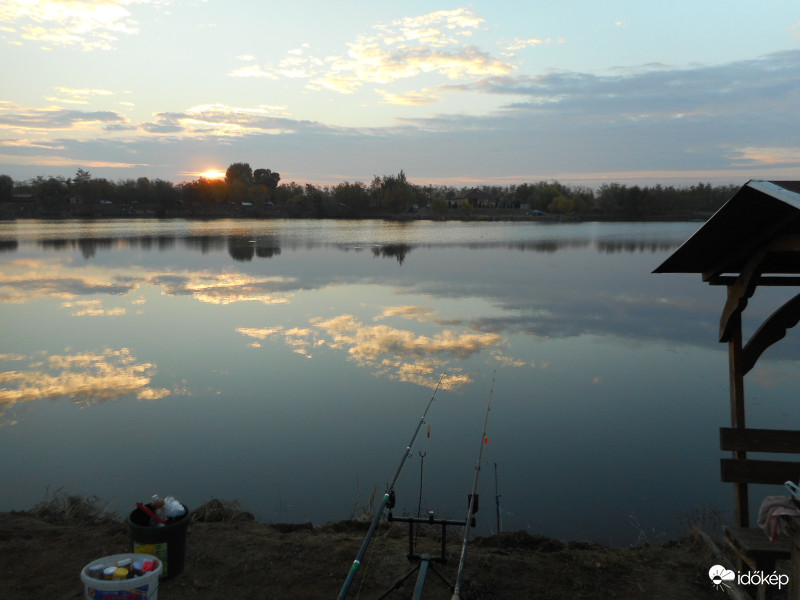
[286, 364]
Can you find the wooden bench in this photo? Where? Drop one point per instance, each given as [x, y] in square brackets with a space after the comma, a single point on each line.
[751, 543]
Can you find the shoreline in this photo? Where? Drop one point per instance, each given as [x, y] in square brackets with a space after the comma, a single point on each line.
[10, 212]
[230, 555]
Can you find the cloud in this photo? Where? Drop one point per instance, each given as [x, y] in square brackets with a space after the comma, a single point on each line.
[410, 98]
[23, 282]
[92, 308]
[85, 377]
[508, 361]
[22, 288]
[299, 339]
[86, 24]
[519, 43]
[224, 288]
[259, 333]
[252, 71]
[408, 47]
[25, 118]
[371, 342]
[64, 161]
[222, 120]
[390, 352]
[419, 313]
[653, 91]
[76, 96]
[757, 156]
[28, 143]
[652, 124]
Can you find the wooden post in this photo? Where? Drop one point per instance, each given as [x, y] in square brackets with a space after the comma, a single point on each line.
[736, 372]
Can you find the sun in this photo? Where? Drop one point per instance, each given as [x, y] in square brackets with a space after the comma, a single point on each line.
[213, 174]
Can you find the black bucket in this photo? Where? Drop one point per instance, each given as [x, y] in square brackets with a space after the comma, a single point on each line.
[167, 542]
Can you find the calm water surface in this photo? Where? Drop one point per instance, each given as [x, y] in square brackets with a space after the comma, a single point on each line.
[286, 364]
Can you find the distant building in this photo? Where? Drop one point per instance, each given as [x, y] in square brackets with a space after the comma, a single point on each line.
[477, 198]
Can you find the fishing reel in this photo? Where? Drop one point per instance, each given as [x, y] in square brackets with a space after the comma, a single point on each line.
[472, 501]
[390, 503]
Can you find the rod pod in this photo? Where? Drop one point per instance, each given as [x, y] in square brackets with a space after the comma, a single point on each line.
[389, 492]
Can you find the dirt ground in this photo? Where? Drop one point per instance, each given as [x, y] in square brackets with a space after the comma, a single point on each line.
[228, 555]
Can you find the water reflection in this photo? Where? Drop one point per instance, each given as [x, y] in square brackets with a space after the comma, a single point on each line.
[328, 345]
[246, 245]
[244, 248]
[30, 279]
[204, 243]
[224, 288]
[85, 377]
[397, 251]
[393, 352]
[93, 308]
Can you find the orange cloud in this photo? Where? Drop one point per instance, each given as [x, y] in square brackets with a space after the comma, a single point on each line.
[87, 377]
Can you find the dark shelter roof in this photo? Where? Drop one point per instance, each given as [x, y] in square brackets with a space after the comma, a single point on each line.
[756, 215]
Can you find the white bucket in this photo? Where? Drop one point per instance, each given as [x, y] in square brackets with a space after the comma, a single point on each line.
[144, 587]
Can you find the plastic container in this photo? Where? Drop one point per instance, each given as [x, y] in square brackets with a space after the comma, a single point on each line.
[144, 587]
[167, 542]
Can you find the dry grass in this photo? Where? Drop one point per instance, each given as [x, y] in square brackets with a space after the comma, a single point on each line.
[220, 511]
[61, 507]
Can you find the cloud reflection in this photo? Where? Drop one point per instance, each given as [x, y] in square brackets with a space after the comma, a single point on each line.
[393, 352]
[93, 308]
[25, 280]
[299, 339]
[86, 377]
[224, 288]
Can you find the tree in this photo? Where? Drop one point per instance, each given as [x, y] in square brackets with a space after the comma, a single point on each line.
[439, 205]
[267, 178]
[352, 196]
[52, 191]
[561, 205]
[80, 184]
[316, 199]
[6, 188]
[393, 192]
[287, 193]
[239, 172]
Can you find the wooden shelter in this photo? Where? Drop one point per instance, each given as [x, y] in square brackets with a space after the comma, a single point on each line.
[752, 241]
[477, 198]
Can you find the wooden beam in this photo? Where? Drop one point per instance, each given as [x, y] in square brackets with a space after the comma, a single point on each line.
[765, 280]
[772, 330]
[785, 243]
[736, 375]
[768, 472]
[739, 293]
[733, 589]
[760, 440]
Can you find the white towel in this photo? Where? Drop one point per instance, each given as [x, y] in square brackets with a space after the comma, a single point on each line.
[772, 508]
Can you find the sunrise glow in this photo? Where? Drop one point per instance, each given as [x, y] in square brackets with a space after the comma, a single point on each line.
[213, 174]
[470, 93]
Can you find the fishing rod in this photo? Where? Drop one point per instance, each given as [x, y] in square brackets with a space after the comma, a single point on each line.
[472, 499]
[497, 498]
[386, 497]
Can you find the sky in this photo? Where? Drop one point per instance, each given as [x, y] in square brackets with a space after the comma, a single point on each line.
[461, 94]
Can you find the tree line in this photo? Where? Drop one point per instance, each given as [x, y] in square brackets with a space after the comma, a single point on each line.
[260, 193]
